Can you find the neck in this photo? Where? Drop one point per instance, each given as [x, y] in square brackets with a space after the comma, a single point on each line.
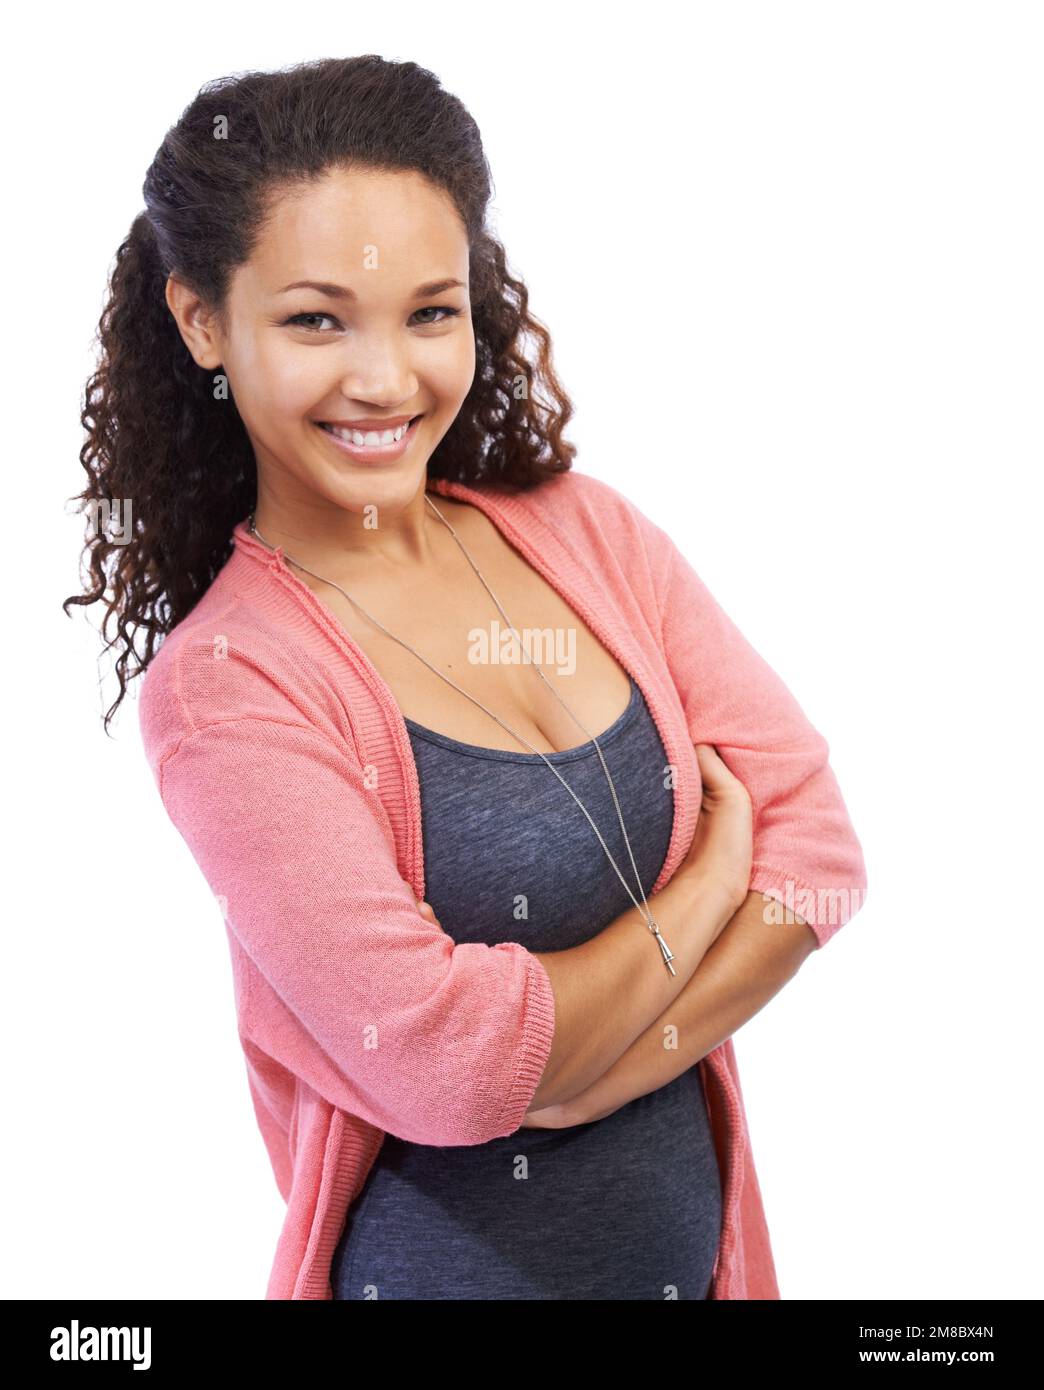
[331, 539]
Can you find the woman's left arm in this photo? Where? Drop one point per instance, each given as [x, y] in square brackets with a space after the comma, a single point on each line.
[749, 962]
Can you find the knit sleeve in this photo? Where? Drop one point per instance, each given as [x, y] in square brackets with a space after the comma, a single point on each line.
[375, 1008]
[806, 853]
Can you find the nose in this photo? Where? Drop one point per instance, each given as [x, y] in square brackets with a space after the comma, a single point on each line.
[378, 371]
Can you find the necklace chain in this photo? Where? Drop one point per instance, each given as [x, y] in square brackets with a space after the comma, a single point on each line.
[668, 955]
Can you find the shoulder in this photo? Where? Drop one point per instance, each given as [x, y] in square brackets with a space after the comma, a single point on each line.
[577, 493]
[579, 501]
[590, 515]
[226, 661]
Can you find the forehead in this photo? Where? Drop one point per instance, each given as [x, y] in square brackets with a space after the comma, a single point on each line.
[345, 222]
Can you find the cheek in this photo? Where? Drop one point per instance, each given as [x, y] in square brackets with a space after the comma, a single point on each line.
[283, 380]
[451, 374]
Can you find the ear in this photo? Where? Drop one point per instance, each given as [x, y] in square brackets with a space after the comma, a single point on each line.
[196, 323]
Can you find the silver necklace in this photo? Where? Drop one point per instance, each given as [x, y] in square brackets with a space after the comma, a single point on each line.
[665, 950]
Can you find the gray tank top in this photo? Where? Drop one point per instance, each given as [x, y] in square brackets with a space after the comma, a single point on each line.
[626, 1207]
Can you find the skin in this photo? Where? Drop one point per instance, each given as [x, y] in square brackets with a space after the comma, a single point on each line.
[748, 963]
[390, 351]
[387, 353]
[746, 966]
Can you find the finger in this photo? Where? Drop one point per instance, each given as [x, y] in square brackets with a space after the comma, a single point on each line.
[710, 760]
[718, 779]
[714, 770]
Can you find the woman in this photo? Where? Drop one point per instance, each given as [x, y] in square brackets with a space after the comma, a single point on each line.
[437, 723]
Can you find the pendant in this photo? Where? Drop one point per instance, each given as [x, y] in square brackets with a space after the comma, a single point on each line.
[665, 950]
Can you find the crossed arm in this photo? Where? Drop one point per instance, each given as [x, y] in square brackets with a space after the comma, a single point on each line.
[749, 962]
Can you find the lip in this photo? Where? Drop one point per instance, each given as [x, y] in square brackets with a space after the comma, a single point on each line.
[390, 422]
[373, 453]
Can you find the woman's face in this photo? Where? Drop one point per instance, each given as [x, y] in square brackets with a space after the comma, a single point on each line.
[381, 335]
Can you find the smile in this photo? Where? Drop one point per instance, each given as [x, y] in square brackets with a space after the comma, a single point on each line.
[369, 437]
[372, 446]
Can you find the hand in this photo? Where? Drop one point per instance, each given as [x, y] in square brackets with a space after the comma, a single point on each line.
[426, 910]
[561, 1116]
[722, 849]
[581, 1110]
[549, 1117]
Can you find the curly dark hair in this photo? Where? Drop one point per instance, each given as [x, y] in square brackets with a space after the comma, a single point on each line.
[161, 438]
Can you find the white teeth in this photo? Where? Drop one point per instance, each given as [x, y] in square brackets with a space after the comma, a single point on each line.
[371, 438]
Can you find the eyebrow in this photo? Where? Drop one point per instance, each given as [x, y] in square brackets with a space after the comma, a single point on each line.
[342, 291]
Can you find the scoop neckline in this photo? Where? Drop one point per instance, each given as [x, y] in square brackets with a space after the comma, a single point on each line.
[475, 750]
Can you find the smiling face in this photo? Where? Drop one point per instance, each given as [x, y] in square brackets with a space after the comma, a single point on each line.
[380, 335]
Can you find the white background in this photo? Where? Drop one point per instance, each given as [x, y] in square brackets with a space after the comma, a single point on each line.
[804, 240]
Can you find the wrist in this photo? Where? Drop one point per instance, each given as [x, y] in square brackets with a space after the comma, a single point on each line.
[583, 1109]
[709, 896]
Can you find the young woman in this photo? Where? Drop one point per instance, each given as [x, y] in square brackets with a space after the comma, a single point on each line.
[494, 798]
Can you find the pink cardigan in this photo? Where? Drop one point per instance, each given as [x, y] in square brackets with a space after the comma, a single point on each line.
[282, 758]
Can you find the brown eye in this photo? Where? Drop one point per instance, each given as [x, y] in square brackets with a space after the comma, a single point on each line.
[438, 309]
[298, 320]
